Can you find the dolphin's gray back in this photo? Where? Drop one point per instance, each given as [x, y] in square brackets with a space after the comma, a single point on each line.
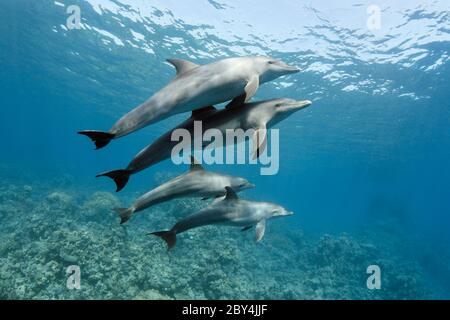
[202, 218]
[203, 86]
[174, 188]
[161, 149]
[234, 213]
[192, 184]
[158, 151]
[164, 192]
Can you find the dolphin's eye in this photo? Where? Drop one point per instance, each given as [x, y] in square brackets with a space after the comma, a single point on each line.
[271, 62]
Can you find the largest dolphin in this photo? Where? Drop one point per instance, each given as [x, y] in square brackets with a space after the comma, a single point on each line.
[195, 87]
[231, 211]
[258, 115]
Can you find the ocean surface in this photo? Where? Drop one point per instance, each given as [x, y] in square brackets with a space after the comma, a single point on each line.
[365, 168]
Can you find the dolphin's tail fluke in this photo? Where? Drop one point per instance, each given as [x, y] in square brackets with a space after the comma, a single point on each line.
[170, 237]
[100, 138]
[120, 177]
[124, 214]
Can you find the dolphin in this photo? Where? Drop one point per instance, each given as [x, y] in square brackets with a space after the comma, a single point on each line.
[194, 87]
[195, 183]
[257, 115]
[231, 211]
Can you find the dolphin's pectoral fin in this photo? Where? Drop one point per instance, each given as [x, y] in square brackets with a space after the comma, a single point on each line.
[246, 228]
[195, 165]
[259, 142]
[203, 112]
[230, 194]
[182, 66]
[236, 102]
[251, 87]
[260, 229]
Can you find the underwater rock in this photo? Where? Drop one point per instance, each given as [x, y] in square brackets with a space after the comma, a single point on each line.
[330, 249]
[27, 189]
[38, 243]
[60, 201]
[185, 206]
[151, 295]
[67, 258]
[161, 177]
[62, 181]
[100, 205]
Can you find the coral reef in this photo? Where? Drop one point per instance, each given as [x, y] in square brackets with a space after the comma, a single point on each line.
[44, 232]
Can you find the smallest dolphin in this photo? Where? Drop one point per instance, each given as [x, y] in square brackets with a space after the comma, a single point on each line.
[197, 182]
[230, 211]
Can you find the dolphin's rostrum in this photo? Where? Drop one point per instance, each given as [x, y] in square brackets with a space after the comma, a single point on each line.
[196, 87]
[257, 115]
[231, 211]
[197, 182]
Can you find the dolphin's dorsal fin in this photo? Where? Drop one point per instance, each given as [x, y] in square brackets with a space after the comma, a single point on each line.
[195, 165]
[230, 194]
[260, 230]
[203, 112]
[182, 66]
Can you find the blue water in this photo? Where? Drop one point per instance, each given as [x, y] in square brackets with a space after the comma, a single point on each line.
[369, 159]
